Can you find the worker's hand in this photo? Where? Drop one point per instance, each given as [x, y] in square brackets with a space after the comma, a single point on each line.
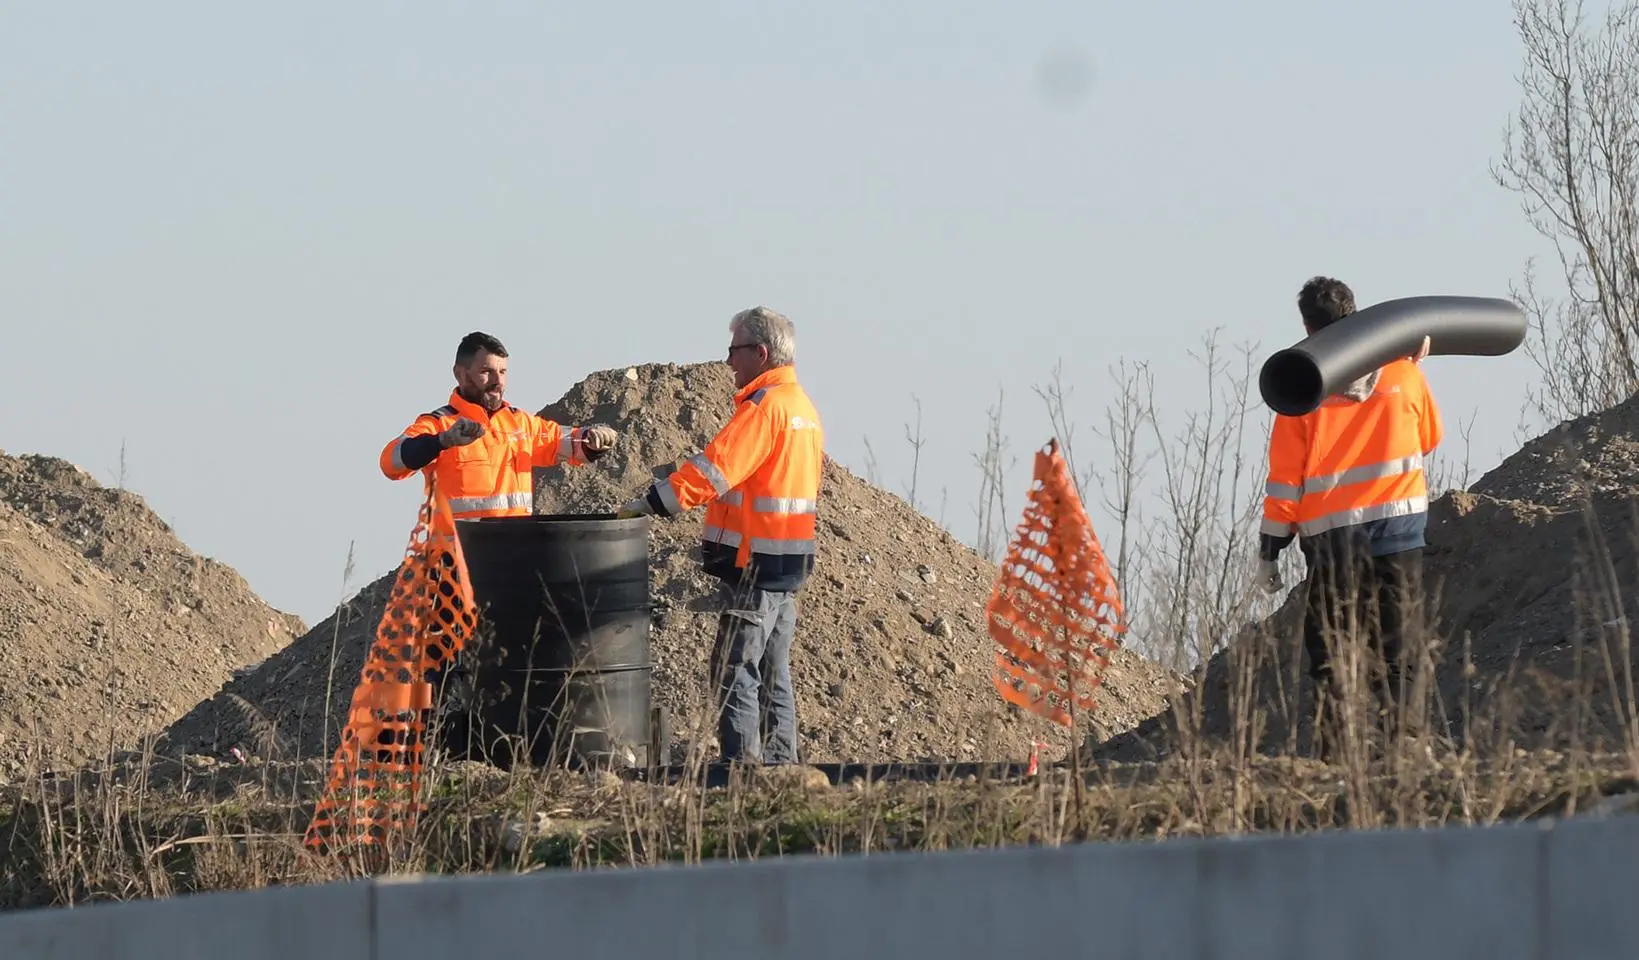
[598, 438]
[635, 508]
[1269, 576]
[461, 433]
[1422, 352]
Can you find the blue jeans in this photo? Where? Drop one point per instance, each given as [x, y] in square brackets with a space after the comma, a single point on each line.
[751, 665]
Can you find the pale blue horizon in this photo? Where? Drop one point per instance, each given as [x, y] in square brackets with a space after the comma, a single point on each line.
[244, 242]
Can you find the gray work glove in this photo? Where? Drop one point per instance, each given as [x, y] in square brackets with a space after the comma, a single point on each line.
[597, 439]
[461, 433]
[637, 507]
[1269, 576]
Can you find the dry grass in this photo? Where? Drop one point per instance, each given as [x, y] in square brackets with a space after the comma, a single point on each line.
[159, 828]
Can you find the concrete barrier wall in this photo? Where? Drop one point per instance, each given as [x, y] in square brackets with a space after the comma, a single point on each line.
[1549, 891]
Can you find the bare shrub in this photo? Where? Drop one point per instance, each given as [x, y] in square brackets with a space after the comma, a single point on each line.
[1571, 154]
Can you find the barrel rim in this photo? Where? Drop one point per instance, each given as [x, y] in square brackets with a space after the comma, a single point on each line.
[590, 521]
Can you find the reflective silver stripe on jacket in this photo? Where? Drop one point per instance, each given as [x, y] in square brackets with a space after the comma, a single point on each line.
[1277, 528]
[1363, 474]
[668, 497]
[500, 501]
[794, 505]
[398, 452]
[717, 535]
[1283, 491]
[1359, 515]
[719, 483]
[784, 548]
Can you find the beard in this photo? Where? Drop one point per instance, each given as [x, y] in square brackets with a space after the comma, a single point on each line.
[490, 400]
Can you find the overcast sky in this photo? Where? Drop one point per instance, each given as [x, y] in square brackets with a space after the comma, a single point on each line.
[243, 240]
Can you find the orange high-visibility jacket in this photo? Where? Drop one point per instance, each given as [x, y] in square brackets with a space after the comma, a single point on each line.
[491, 476]
[760, 479]
[1354, 466]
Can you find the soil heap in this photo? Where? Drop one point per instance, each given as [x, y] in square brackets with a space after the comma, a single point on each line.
[110, 628]
[891, 659]
[1534, 580]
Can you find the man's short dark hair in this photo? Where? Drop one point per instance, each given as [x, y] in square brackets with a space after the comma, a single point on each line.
[474, 342]
[1323, 301]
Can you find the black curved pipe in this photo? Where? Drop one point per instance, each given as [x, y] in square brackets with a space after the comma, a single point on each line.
[1297, 379]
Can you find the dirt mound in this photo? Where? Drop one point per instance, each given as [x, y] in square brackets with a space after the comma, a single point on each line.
[1590, 456]
[1534, 577]
[891, 660]
[111, 626]
[664, 412]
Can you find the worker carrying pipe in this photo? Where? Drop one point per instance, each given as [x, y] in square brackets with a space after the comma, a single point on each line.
[759, 480]
[1348, 479]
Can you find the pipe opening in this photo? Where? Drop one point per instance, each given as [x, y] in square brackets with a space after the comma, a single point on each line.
[1291, 383]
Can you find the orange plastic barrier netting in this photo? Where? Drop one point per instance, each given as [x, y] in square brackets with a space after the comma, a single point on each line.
[1054, 612]
[375, 775]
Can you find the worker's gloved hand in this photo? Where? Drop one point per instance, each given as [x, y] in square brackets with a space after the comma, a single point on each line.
[1269, 576]
[1422, 352]
[598, 439]
[461, 433]
[635, 508]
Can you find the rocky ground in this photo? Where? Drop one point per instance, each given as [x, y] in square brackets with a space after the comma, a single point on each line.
[110, 627]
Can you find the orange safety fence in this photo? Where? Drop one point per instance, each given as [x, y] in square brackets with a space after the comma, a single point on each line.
[373, 790]
[1054, 611]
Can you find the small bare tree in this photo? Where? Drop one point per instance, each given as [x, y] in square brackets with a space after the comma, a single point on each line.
[1200, 589]
[119, 475]
[1056, 395]
[1445, 472]
[1572, 155]
[1125, 421]
[916, 441]
[994, 463]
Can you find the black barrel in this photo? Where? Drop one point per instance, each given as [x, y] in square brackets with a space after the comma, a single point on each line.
[1297, 379]
[559, 669]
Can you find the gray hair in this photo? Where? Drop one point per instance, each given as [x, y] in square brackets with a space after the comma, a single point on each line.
[773, 330]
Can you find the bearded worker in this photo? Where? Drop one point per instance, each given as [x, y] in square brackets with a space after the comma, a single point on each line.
[481, 449]
[482, 452]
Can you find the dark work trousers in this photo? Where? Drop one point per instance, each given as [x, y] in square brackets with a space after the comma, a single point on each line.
[751, 667]
[1352, 596]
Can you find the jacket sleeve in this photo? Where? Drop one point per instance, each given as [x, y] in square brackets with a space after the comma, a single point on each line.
[555, 444]
[411, 450]
[1288, 452]
[1429, 426]
[733, 455]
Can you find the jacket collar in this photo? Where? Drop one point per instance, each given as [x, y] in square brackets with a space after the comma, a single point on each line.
[470, 410]
[1359, 390]
[768, 378]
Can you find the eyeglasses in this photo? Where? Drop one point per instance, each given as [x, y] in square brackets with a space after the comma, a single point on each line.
[741, 346]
